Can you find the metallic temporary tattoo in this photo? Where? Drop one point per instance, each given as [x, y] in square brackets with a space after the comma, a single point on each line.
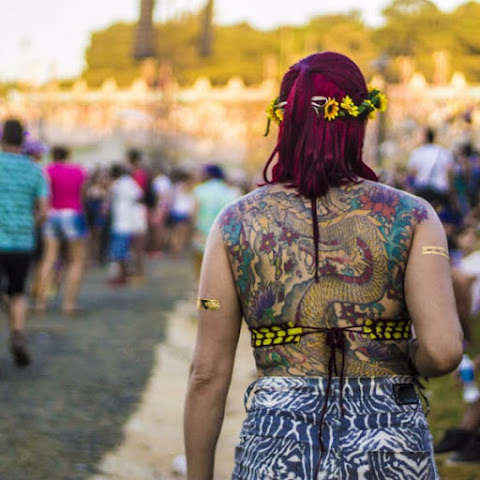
[433, 250]
[207, 304]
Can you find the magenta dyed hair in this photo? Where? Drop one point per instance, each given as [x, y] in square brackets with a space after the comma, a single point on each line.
[313, 152]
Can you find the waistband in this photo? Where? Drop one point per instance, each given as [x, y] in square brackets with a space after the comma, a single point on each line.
[64, 212]
[320, 386]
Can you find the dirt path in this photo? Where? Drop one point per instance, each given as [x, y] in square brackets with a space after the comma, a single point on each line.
[153, 435]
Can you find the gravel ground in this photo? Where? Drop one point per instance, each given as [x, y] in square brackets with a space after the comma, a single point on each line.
[62, 414]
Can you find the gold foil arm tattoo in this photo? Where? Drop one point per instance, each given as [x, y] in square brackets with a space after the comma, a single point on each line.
[433, 250]
[207, 304]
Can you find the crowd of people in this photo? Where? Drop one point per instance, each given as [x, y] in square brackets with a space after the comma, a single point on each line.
[66, 218]
[450, 181]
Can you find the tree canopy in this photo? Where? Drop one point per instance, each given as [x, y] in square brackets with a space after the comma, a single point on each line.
[416, 29]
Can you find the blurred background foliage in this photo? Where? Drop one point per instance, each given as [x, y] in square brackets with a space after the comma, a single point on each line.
[412, 28]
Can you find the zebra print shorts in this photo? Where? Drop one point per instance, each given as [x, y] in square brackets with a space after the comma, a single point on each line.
[381, 435]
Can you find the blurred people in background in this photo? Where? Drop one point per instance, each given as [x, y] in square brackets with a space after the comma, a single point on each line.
[141, 177]
[211, 196]
[463, 441]
[96, 209]
[459, 180]
[23, 203]
[468, 151]
[465, 260]
[430, 166]
[162, 189]
[182, 210]
[125, 195]
[66, 225]
[35, 149]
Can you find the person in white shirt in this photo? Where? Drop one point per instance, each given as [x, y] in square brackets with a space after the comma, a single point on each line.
[124, 197]
[430, 165]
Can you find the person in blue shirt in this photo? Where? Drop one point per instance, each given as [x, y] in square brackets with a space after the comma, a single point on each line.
[23, 204]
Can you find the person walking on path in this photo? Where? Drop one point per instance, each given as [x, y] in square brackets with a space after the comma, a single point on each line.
[431, 166]
[211, 196]
[125, 195]
[142, 177]
[330, 270]
[66, 223]
[23, 204]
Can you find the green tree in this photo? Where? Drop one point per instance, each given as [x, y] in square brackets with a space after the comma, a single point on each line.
[465, 21]
[346, 34]
[414, 28]
[110, 55]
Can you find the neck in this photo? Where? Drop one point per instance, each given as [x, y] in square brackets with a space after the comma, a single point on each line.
[11, 148]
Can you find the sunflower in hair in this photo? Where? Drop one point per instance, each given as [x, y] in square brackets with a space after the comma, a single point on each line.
[382, 102]
[331, 109]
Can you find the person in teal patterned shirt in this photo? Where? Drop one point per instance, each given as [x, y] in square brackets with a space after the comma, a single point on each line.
[23, 204]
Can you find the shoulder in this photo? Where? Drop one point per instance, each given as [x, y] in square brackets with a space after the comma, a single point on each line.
[29, 165]
[268, 203]
[234, 211]
[199, 189]
[405, 203]
[416, 152]
[18, 158]
[445, 152]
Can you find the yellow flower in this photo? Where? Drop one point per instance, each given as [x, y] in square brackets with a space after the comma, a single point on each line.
[275, 112]
[270, 111]
[348, 105]
[371, 108]
[331, 109]
[347, 102]
[382, 102]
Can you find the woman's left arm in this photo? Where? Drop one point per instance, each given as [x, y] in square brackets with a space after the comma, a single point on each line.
[219, 321]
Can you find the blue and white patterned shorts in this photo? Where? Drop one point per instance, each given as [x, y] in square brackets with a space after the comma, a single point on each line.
[65, 224]
[382, 435]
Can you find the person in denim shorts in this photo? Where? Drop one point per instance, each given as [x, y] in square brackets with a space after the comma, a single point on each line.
[345, 287]
[66, 227]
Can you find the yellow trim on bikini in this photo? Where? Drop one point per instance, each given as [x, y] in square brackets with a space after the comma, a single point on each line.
[288, 333]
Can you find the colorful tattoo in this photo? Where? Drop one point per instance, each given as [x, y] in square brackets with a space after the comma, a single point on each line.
[365, 233]
[208, 304]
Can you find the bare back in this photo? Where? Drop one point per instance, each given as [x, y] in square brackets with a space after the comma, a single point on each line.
[365, 234]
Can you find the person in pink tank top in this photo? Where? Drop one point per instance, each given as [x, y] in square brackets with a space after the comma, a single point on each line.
[66, 224]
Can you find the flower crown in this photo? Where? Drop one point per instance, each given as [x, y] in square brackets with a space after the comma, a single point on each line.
[331, 109]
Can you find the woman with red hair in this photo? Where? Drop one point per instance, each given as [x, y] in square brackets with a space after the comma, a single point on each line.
[344, 284]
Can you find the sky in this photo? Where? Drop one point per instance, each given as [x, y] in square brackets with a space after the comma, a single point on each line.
[41, 39]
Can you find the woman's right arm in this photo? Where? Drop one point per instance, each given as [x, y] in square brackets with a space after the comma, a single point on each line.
[430, 300]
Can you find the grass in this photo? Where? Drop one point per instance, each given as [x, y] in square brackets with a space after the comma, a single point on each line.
[446, 410]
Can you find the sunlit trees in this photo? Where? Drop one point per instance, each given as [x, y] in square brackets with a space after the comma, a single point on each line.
[413, 29]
